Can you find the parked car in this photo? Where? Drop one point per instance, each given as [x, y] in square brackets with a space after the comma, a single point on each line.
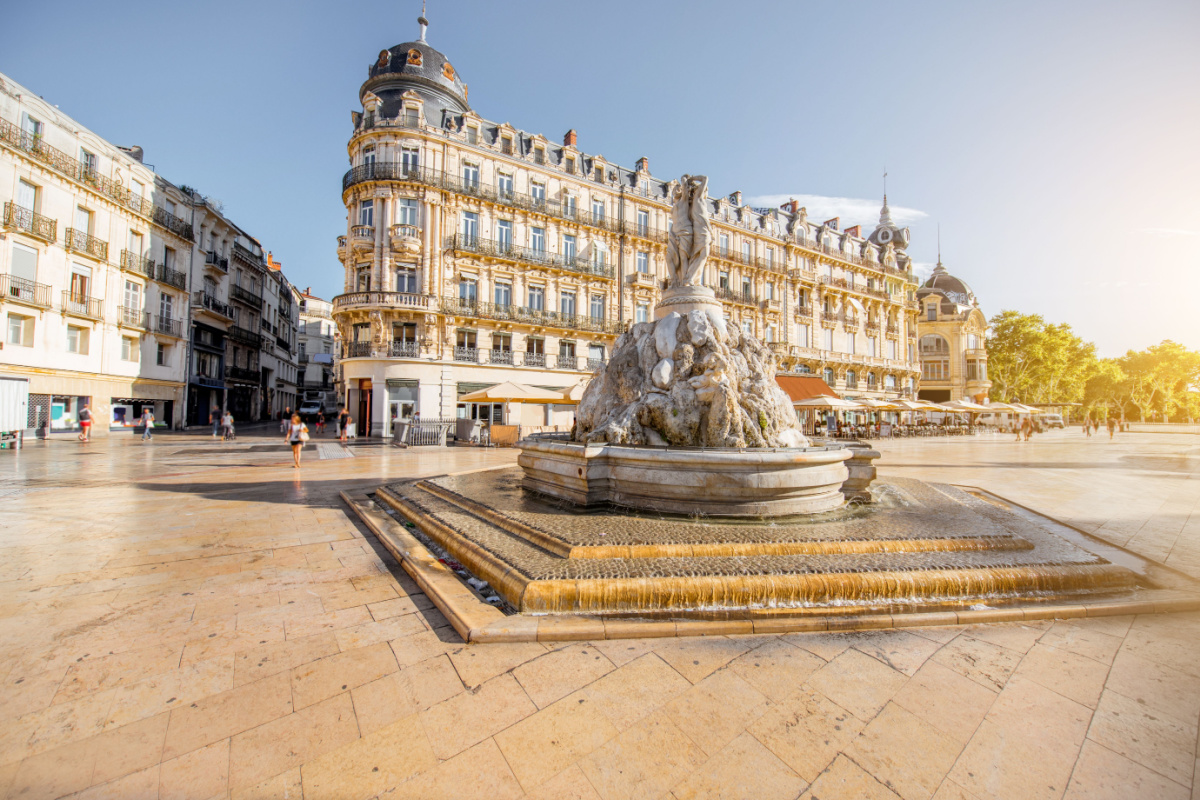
[1053, 421]
[308, 412]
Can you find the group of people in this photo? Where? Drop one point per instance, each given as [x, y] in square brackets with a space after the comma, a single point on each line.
[222, 422]
[1091, 426]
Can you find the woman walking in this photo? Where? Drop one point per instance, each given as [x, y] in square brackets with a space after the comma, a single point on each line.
[227, 426]
[297, 435]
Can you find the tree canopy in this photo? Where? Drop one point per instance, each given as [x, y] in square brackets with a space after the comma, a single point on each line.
[1032, 361]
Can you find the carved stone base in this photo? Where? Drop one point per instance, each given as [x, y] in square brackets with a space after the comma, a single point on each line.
[682, 299]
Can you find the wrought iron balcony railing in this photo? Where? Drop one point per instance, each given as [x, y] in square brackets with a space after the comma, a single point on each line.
[357, 350]
[283, 343]
[245, 336]
[35, 147]
[140, 264]
[171, 277]
[529, 316]
[503, 250]
[404, 350]
[245, 296]
[81, 305]
[243, 374]
[133, 317]
[213, 259]
[83, 242]
[206, 301]
[23, 219]
[744, 297]
[24, 291]
[167, 326]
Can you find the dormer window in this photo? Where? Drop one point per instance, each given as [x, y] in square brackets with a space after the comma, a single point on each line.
[600, 174]
[570, 167]
[506, 145]
[539, 155]
[472, 134]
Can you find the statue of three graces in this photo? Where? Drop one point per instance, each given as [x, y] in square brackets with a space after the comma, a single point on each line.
[690, 236]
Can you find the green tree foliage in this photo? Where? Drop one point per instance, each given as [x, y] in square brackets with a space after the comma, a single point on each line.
[1035, 362]
[1161, 380]
[1107, 390]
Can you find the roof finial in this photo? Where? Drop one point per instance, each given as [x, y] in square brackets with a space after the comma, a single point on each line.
[939, 269]
[424, 23]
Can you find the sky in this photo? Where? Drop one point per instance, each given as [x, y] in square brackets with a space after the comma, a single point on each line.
[1054, 143]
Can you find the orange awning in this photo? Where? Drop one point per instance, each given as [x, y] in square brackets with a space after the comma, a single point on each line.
[804, 387]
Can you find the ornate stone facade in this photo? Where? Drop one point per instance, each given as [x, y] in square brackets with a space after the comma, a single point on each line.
[951, 331]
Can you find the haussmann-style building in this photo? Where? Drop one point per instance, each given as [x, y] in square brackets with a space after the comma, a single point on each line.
[951, 330]
[477, 253]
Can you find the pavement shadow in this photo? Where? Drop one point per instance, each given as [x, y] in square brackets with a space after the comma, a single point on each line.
[299, 491]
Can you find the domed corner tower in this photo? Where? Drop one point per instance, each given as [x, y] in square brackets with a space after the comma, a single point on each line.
[412, 96]
[951, 329]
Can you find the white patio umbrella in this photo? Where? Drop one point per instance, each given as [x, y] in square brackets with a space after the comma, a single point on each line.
[509, 392]
[824, 401]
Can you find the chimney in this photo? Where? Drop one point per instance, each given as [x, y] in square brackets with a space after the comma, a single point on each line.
[571, 138]
[855, 231]
[643, 164]
[736, 199]
[832, 223]
[791, 206]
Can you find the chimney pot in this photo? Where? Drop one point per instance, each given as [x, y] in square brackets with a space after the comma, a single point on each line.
[571, 139]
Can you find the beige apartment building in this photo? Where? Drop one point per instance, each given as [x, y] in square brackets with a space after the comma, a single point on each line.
[477, 253]
[951, 331]
[317, 335]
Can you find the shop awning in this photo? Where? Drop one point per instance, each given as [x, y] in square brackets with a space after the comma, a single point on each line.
[802, 387]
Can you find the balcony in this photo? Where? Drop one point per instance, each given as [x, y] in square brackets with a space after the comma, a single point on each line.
[285, 344]
[643, 232]
[171, 277]
[36, 148]
[324, 314]
[245, 296]
[247, 256]
[405, 239]
[166, 326]
[206, 303]
[245, 336]
[133, 318]
[369, 300]
[503, 251]
[204, 380]
[362, 238]
[642, 279]
[357, 350]
[22, 219]
[771, 304]
[529, 316]
[133, 262]
[804, 313]
[802, 274]
[725, 254]
[81, 305]
[214, 261]
[341, 248]
[404, 350]
[82, 242]
[242, 374]
[19, 290]
[745, 297]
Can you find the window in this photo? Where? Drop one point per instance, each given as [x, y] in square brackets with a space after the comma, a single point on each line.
[366, 215]
[169, 258]
[851, 379]
[641, 313]
[369, 157]
[539, 155]
[569, 206]
[931, 312]
[597, 306]
[746, 252]
[643, 222]
[468, 290]
[538, 191]
[163, 357]
[410, 158]
[889, 381]
[77, 340]
[135, 243]
[850, 342]
[363, 279]
[406, 212]
[404, 332]
[536, 346]
[470, 174]
[406, 279]
[138, 189]
[769, 291]
[87, 164]
[27, 195]
[723, 280]
[502, 342]
[643, 263]
[566, 349]
[599, 172]
[891, 349]
[20, 330]
[537, 298]
[504, 233]
[599, 255]
[829, 378]
[570, 165]
[504, 185]
[470, 226]
[31, 126]
[566, 301]
[24, 271]
[506, 145]
[503, 293]
[935, 370]
[802, 335]
[747, 289]
[133, 296]
[872, 381]
[771, 257]
[872, 347]
[932, 344]
[569, 248]
[472, 134]
[466, 340]
[166, 306]
[595, 353]
[747, 327]
[81, 281]
[598, 209]
[828, 338]
[802, 298]
[129, 348]
[771, 332]
[724, 240]
[537, 239]
[83, 220]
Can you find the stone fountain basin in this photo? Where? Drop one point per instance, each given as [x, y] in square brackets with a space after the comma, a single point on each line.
[688, 480]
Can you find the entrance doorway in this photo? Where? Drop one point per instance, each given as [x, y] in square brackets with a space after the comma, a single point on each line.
[364, 407]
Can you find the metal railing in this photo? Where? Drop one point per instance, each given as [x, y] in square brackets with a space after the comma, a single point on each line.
[83, 242]
[404, 350]
[133, 317]
[510, 252]
[726, 254]
[247, 256]
[78, 171]
[171, 277]
[245, 336]
[284, 343]
[137, 263]
[530, 316]
[386, 299]
[24, 291]
[213, 259]
[242, 374]
[357, 350]
[204, 380]
[166, 325]
[735, 296]
[206, 301]
[80, 305]
[245, 295]
[23, 219]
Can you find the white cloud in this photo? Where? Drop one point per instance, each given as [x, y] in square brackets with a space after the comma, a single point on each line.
[922, 269]
[1171, 231]
[852, 210]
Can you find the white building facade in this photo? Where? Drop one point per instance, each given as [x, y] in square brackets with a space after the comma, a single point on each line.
[477, 253]
[317, 351]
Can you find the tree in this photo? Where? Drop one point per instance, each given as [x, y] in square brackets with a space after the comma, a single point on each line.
[1160, 378]
[1108, 387]
[1014, 348]
[1037, 362]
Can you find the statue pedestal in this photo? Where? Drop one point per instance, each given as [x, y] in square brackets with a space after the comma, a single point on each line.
[682, 299]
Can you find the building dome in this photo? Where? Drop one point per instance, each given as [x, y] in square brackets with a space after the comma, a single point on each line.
[417, 67]
[953, 289]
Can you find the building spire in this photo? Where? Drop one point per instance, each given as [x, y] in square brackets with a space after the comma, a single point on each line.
[939, 269]
[424, 23]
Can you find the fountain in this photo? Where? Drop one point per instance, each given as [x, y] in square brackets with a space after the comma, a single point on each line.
[687, 500]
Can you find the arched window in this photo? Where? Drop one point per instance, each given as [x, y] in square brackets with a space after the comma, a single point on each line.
[934, 345]
[889, 381]
[851, 379]
[872, 380]
[829, 375]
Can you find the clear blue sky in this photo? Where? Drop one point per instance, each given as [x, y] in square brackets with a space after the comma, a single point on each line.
[1054, 142]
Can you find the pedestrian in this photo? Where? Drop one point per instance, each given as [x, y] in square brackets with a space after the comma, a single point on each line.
[297, 435]
[1087, 426]
[227, 426]
[1027, 428]
[85, 423]
[214, 419]
[1018, 426]
[1112, 426]
[320, 422]
[343, 423]
[148, 421]
[285, 419]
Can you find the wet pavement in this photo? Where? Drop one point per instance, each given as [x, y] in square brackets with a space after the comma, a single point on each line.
[186, 618]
